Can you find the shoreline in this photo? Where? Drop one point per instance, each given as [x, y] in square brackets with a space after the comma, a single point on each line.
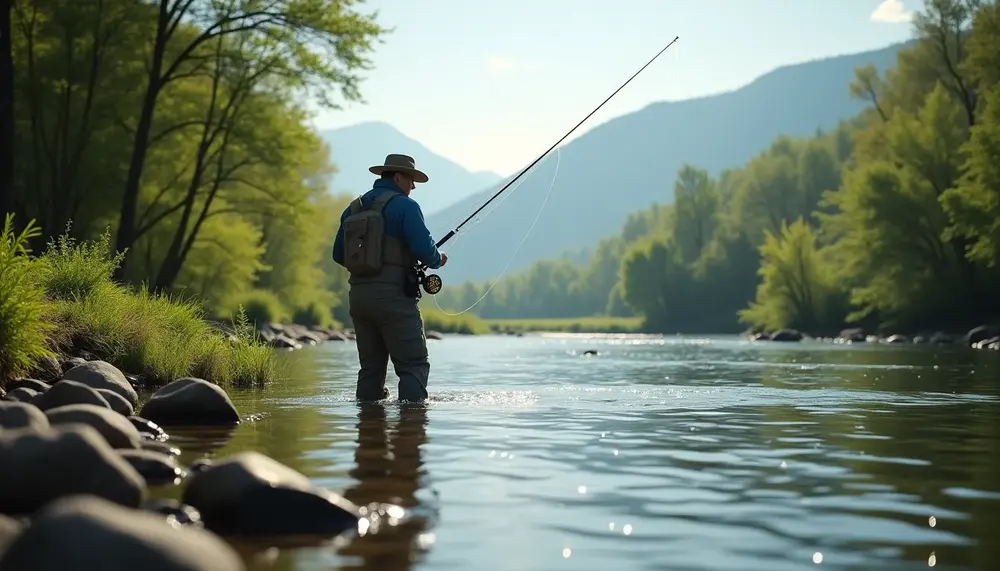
[84, 452]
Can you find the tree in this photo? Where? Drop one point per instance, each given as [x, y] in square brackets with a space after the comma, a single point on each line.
[6, 109]
[798, 289]
[324, 41]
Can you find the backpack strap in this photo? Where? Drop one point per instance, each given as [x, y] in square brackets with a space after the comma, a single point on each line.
[356, 206]
[382, 199]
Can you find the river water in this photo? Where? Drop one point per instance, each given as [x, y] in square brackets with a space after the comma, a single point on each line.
[655, 453]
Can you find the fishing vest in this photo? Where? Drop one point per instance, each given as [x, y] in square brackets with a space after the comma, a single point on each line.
[367, 248]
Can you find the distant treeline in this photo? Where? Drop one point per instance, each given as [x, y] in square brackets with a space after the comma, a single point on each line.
[892, 220]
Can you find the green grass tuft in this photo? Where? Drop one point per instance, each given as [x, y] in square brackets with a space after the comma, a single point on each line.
[72, 270]
[66, 298]
[24, 329]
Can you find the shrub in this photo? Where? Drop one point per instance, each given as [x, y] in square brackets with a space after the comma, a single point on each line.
[315, 315]
[71, 270]
[263, 307]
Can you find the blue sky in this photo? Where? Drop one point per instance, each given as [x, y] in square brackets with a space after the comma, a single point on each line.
[491, 85]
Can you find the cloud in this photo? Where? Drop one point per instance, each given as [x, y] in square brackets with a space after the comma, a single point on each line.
[891, 12]
[500, 65]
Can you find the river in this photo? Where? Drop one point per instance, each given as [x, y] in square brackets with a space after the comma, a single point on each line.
[655, 453]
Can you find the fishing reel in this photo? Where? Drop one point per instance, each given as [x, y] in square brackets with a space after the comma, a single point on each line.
[431, 283]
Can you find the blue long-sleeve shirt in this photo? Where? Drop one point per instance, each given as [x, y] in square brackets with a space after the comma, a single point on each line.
[403, 220]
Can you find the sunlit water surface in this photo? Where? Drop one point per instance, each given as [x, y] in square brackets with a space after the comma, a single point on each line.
[676, 453]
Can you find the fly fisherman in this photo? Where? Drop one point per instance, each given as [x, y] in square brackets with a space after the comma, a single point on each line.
[381, 239]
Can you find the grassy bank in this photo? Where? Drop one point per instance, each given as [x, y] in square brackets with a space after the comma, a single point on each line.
[64, 301]
[465, 324]
[595, 324]
[470, 324]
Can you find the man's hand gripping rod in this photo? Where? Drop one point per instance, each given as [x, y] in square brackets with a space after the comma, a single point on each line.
[432, 283]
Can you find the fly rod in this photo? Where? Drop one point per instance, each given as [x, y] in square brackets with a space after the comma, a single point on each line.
[432, 283]
[451, 233]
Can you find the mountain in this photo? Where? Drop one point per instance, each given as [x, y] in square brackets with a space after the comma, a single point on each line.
[355, 148]
[629, 162]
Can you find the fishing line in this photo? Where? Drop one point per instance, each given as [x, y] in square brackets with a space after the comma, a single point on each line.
[432, 283]
[480, 219]
[451, 233]
[548, 193]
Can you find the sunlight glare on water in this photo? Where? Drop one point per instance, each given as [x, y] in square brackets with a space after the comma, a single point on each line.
[708, 454]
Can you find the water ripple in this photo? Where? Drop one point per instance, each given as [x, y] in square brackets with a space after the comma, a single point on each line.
[655, 453]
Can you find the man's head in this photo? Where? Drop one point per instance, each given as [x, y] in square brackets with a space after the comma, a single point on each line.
[401, 170]
[402, 180]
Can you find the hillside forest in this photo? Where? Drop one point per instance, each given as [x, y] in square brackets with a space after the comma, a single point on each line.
[176, 133]
[891, 221]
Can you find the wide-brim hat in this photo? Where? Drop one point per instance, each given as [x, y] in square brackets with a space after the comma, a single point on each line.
[399, 163]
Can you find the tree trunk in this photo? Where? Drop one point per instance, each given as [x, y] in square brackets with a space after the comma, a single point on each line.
[6, 110]
[130, 199]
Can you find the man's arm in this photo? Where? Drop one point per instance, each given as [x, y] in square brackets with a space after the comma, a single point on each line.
[418, 237]
[338, 242]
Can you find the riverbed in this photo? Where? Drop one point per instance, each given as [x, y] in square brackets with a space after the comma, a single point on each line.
[686, 453]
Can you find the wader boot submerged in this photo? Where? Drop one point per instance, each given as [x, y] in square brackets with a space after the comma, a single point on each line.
[387, 321]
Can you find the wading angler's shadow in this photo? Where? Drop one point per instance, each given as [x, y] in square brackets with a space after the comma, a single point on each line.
[388, 469]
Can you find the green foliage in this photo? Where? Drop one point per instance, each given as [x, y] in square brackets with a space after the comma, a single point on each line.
[315, 315]
[595, 324]
[24, 323]
[263, 307]
[973, 204]
[890, 220]
[71, 270]
[224, 177]
[161, 338]
[65, 298]
[798, 287]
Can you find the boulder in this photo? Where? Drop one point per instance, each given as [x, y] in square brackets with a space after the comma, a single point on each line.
[48, 369]
[19, 415]
[190, 402]
[23, 394]
[981, 333]
[787, 335]
[33, 384]
[10, 528]
[103, 375]
[66, 393]
[62, 461]
[174, 511]
[90, 533]
[115, 428]
[117, 402]
[71, 362]
[249, 494]
[161, 447]
[156, 468]
[148, 429]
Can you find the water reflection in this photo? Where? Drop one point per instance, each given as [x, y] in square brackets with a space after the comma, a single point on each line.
[715, 455]
[388, 468]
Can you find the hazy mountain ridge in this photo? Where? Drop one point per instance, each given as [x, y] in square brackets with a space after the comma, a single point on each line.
[355, 148]
[629, 162]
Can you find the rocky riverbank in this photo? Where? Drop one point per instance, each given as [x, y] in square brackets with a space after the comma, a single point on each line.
[80, 452]
[981, 337]
[293, 336]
